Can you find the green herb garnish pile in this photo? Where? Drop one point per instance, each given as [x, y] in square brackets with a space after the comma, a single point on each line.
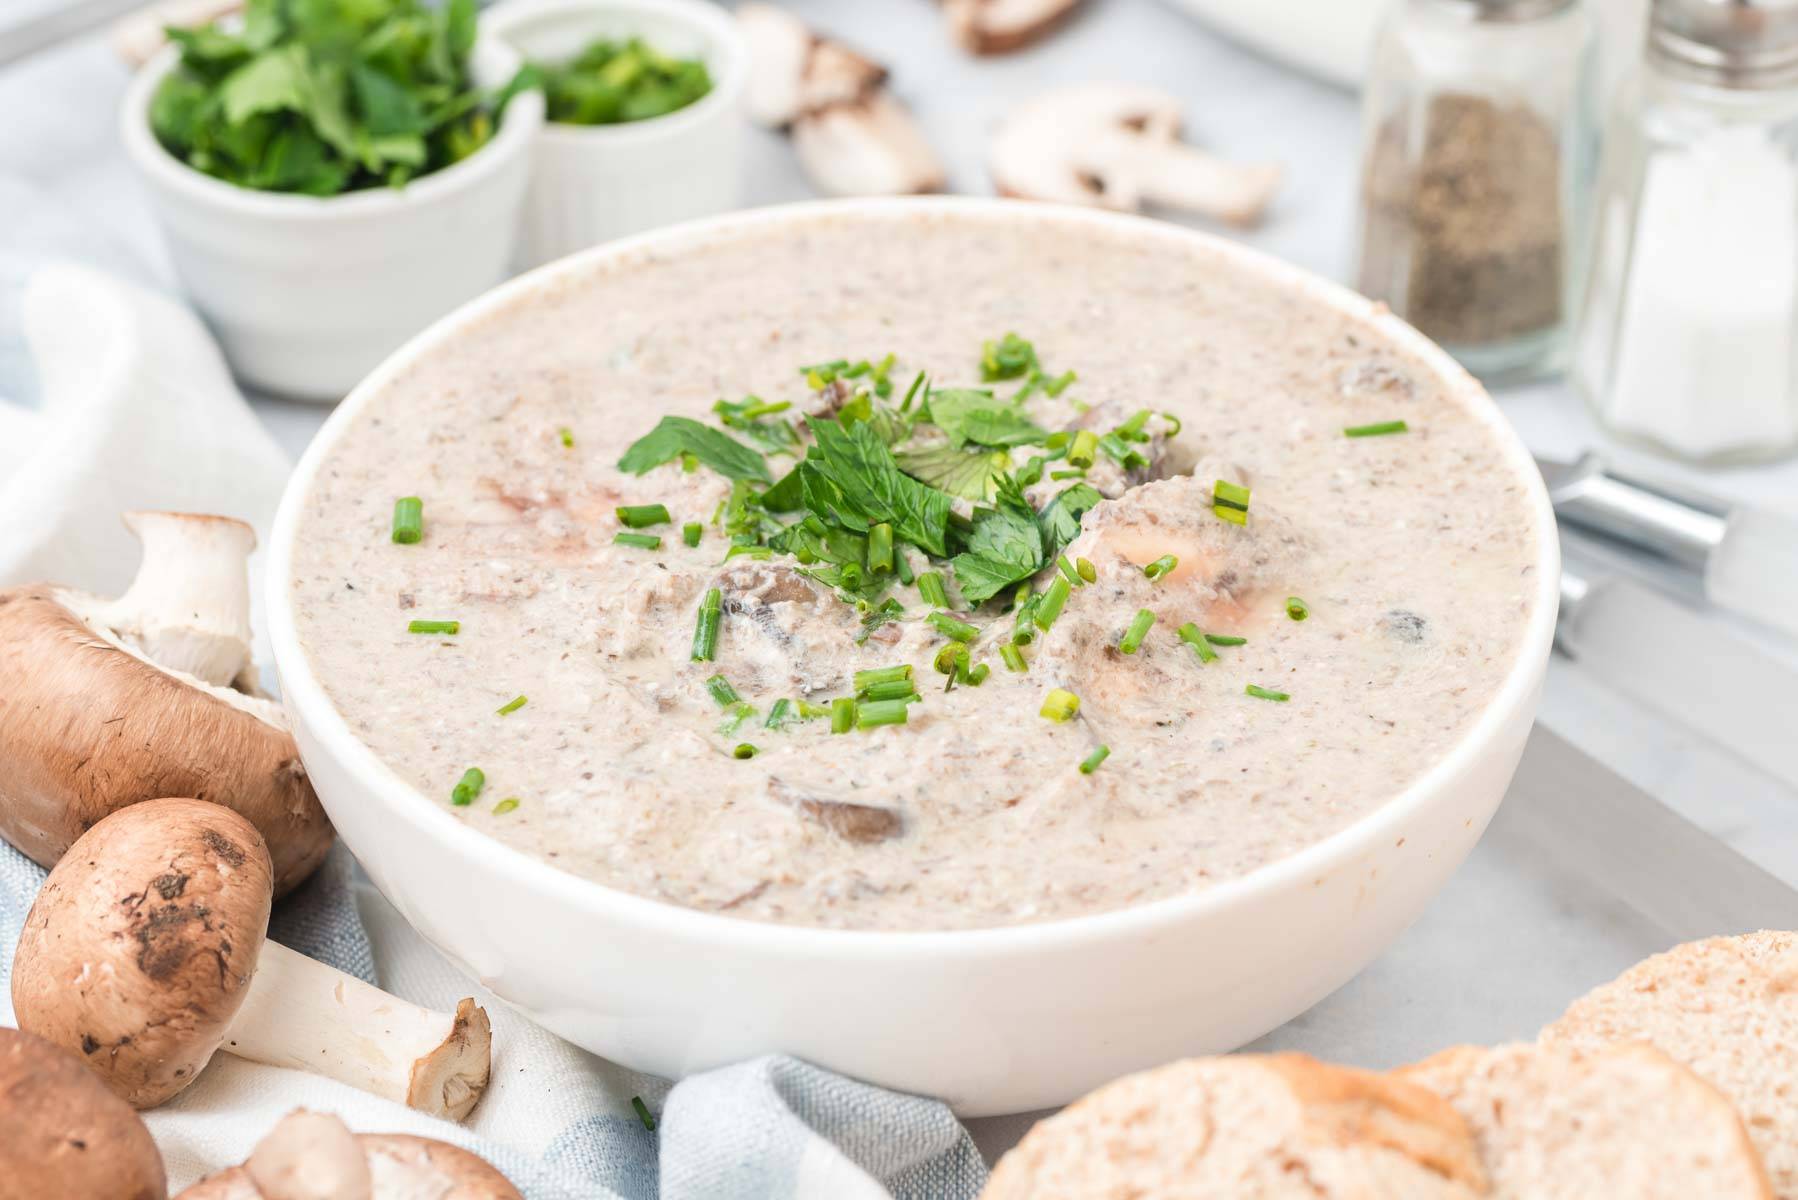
[610, 82]
[321, 97]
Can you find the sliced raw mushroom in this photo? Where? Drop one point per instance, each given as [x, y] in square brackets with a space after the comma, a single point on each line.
[1117, 145]
[144, 954]
[314, 1156]
[112, 702]
[1001, 26]
[64, 1134]
[852, 137]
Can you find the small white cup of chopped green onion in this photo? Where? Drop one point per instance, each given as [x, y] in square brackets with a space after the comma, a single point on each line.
[645, 124]
[331, 178]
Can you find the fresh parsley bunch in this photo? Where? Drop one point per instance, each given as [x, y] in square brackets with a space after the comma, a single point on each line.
[322, 97]
[612, 82]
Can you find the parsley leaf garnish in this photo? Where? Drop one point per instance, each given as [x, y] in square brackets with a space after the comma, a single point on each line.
[969, 474]
[1060, 518]
[974, 415]
[1005, 546]
[675, 436]
[851, 477]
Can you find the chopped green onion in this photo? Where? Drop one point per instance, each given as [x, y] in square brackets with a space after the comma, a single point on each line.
[1060, 705]
[1083, 448]
[1295, 608]
[740, 550]
[1056, 386]
[468, 787]
[881, 712]
[1075, 473]
[1031, 473]
[779, 713]
[880, 547]
[912, 392]
[722, 691]
[408, 520]
[642, 541]
[892, 689]
[1139, 629]
[1067, 569]
[1226, 639]
[949, 627]
[842, 714]
[505, 806]
[1091, 762]
[1189, 633]
[930, 587]
[649, 1122]
[1262, 693]
[1013, 658]
[1133, 429]
[450, 627]
[691, 532]
[1087, 571]
[639, 515]
[512, 705]
[1230, 501]
[1160, 567]
[867, 679]
[689, 461]
[901, 565]
[1049, 606]
[1376, 430]
[567, 436]
[1023, 629]
[949, 658]
[977, 675]
[811, 712]
[705, 631]
[1177, 424]
[1122, 453]
[737, 713]
[744, 750]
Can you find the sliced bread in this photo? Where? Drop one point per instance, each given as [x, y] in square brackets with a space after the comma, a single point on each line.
[1555, 1123]
[1727, 1007]
[1247, 1127]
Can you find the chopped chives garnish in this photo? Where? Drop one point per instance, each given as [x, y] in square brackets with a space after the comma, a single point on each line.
[1023, 629]
[1083, 448]
[881, 712]
[1377, 429]
[1177, 424]
[949, 627]
[930, 587]
[949, 657]
[1122, 452]
[1059, 384]
[512, 705]
[1295, 608]
[1013, 658]
[1031, 473]
[1189, 633]
[649, 1122]
[705, 631]
[1230, 501]
[408, 520]
[451, 627]
[1067, 569]
[1091, 762]
[642, 541]
[1161, 566]
[567, 436]
[744, 750]
[1072, 473]
[891, 689]
[912, 392]
[689, 461]
[842, 714]
[867, 679]
[1139, 629]
[811, 712]
[505, 806]
[779, 713]
[1262, 693]
[1049, 606]
[736, 714]
[691, 532]
[880, 547]
[638, 516]
[1060, 705]
[468, 787]
[1226, 639]
[722, 691]
[1133, 429]
[901, 565]
[1087, 571]
[978, 673]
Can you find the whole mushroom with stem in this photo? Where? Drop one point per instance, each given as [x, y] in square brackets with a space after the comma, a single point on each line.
[144, 953]
[64, 1134]
[106, 703]
[314, 1156]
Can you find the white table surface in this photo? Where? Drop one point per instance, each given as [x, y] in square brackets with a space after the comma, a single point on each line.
[59, 132]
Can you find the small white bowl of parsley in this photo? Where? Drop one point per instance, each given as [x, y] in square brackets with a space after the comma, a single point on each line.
[645, 124]
[332, 176]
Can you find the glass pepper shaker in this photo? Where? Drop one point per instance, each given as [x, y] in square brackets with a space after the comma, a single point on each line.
[1477, 156]
[1688, 325]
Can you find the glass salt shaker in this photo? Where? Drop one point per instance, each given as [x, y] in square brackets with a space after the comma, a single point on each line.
[1686, 333]
[1478, 147]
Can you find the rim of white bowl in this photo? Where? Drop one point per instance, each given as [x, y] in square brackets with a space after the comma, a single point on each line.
[514, 17]
[523, 118]
[304, 693]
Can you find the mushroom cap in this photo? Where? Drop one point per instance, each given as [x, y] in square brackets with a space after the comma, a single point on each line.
[1001, 26]
[91, 727]
[402, 1166]
[65, 1134]
[138, 951]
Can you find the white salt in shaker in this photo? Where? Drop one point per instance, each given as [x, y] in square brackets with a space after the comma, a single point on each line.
[1686, 337]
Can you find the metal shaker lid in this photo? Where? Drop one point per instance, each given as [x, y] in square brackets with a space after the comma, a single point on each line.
[1732, 43]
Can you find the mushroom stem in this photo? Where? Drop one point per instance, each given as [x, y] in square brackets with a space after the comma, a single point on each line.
[310, 1156]
[188, 608]
[302, 1014]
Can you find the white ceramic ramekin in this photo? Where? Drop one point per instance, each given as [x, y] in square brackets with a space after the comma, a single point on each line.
[592, 183]
[993, 1021]
[308, 294]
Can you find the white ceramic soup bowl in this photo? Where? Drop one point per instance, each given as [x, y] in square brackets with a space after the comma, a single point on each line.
[995, 1020]
[591, 183]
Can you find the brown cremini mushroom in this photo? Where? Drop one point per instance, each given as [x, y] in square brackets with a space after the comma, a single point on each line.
[1001, 26]
[144, 954]
[851, 135]
[1117, 145]
[105, 703]
[314, 1156]
[64, 1134]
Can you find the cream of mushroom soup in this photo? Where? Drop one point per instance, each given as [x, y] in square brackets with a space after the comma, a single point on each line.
[1112, 570]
